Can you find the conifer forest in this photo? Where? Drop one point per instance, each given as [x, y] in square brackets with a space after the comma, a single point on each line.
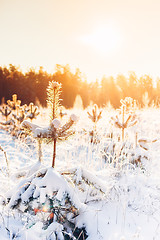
[31, 87]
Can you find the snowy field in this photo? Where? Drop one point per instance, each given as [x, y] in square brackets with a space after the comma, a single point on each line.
[114, 186]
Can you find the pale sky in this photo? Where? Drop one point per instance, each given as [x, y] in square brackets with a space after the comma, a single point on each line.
[100, 37]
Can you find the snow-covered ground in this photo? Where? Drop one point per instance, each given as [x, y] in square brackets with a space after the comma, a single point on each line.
[115, 198]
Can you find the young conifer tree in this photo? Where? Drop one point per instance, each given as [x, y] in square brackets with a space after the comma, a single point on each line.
[20, 116]
[53, 93]
[54, 131]
[14, 103]
[6, 111]
[128, 118]
[32, 112]
[95, 116]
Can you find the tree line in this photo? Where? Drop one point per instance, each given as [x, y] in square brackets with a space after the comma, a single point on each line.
[32, 85]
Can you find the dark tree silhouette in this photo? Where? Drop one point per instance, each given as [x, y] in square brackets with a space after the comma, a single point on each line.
[32, 85]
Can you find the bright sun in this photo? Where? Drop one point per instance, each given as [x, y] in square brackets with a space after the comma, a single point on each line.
[104, 39]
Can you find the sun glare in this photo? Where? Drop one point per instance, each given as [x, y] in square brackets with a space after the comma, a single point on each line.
[104, 39]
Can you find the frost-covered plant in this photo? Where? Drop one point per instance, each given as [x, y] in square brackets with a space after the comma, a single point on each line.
[8, 126]
[128, 118]
[5, 155]
[6, 111]
[53, 93]
[53, 100]
[10, 122]
[32, 111]
[130, 104]
[84, 179]
[54, 131]
[25, 108]
[95, 116]
[12, 125]
[49, 198]
[120, 153]
[14, 103]
[20, 116]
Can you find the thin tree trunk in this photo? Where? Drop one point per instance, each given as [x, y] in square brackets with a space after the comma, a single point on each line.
[54, 143]
[40, 150]
[54, 153]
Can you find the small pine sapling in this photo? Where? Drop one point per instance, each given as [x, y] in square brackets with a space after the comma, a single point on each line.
[130, 104]
[32, 111]
[6, 111]
[128, 119]
[95, 116]
[25, 108]
[53, 93]
[54, 131]
[51, 200]
[14, 103]
[9, 124]
[20, 116]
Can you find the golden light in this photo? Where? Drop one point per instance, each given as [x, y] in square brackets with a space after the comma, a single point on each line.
[44, 209]
[104, 39]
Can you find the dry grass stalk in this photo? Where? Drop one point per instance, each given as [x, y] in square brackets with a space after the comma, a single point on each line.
[5, 155]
